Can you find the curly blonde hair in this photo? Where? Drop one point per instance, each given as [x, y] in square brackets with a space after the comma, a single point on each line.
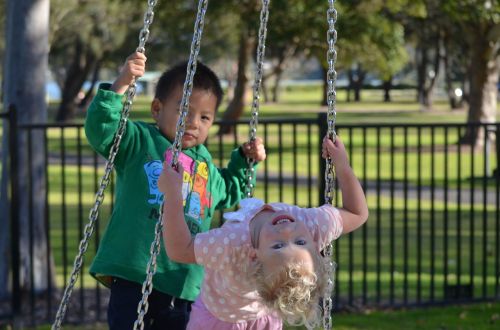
[294, 291]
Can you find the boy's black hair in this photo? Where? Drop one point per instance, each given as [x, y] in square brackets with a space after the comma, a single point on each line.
[204, 79]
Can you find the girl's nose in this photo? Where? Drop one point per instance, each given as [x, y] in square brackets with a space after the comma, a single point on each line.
[287, 229]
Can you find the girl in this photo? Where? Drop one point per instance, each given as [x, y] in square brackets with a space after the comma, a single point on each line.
[264, 264]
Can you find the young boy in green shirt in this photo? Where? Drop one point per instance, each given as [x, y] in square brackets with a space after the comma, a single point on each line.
[124, 250]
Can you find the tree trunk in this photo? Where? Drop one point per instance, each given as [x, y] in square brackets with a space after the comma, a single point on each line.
[358, 83]
[387, 86]
[276, 86]
[350, 85]
[26, 65]
[426, 82]
[456, 101]
[484, 71]
[89, 95]
[421, 60]
[84, 62]
[236, 106]
[283, 56]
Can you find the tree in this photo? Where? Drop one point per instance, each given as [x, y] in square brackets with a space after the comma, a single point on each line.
[479, 25]
[83, 34]
[424, 31]
[246, 28]
[368, 37]
[25, 68]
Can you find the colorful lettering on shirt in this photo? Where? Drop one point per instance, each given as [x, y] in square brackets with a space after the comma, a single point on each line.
[153, 170]
[194, 189]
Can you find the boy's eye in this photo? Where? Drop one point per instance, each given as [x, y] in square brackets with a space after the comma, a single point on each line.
[205, 118]
[277, 246]
[300, 242]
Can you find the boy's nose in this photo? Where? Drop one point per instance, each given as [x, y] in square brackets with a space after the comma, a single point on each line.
[192, 121]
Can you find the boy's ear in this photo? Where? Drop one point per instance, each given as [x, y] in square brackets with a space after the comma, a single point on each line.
[156, 106]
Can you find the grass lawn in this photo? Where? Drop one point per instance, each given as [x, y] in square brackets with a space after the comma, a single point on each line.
[484, 316]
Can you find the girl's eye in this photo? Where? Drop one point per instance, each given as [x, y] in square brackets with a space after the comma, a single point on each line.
[300, 242]
[205, 118]
[277, 246]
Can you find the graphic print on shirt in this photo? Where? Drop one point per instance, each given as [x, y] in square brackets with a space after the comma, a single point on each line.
[153, 170]
[194, 188]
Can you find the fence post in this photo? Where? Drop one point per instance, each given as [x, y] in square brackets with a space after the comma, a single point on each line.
[14, 211]
[496, 172]
[323, 128]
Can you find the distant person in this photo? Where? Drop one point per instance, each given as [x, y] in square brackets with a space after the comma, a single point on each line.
[124, 250]
[264, 264]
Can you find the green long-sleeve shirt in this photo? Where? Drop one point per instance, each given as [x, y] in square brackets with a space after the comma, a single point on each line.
[125, 246]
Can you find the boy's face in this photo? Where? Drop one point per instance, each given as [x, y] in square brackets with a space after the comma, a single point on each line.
[199, 119]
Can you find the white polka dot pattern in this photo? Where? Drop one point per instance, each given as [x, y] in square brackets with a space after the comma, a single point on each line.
[224, 252]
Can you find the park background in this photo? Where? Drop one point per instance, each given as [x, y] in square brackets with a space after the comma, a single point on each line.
[417, 107]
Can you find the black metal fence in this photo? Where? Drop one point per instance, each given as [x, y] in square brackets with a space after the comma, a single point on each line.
[432, 236]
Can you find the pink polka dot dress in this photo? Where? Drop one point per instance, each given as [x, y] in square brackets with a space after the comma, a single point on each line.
[227, 293]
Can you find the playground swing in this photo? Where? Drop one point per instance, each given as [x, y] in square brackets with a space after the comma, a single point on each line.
[187, 89]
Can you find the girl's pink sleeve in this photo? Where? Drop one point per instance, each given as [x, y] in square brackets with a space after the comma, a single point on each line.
[324, 223]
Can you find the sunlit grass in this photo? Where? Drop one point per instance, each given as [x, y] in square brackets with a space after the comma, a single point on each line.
[484, 316]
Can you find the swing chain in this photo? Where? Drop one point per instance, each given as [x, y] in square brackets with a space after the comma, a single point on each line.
[105, 180]
[148, 19]
[261, 48]
[188, 83]
[331, 95]
[329, 169]
[147, 286]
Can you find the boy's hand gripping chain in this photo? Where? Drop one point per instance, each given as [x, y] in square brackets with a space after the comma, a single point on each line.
[329, 170]
[105, 180]
[147, 286]
[261, 48]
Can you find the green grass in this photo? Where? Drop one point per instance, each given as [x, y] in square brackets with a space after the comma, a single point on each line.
[484, 316]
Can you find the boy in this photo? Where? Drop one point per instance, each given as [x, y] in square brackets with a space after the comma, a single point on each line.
[124, 251]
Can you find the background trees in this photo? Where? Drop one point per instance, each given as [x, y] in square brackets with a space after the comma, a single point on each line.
[84, 34]
[478, 22]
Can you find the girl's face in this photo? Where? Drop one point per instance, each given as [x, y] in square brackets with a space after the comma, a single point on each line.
[281, 240]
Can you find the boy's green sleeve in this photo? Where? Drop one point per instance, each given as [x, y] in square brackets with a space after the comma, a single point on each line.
[102, 121]
[232, 185]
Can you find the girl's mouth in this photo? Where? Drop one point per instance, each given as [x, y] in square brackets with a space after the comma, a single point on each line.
[282, 219]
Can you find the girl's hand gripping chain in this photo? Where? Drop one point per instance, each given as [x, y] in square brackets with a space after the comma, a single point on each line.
[354, 209]
[170, 181]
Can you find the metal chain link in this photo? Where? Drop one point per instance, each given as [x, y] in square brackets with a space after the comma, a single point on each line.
[147, 286]
[259, 71]
[329, 169]
[188, 83]
[105, 180]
